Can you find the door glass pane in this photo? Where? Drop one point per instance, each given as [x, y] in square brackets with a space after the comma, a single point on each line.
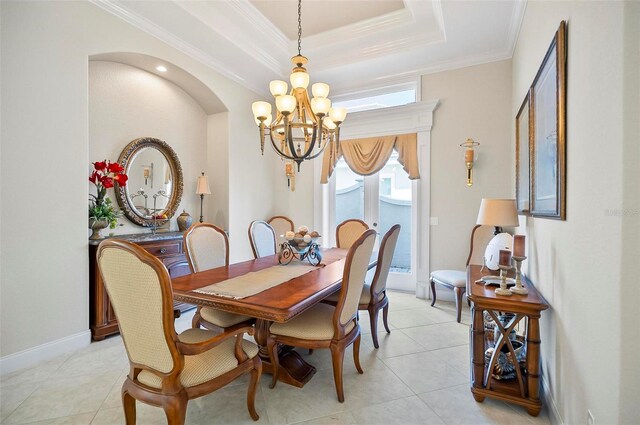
[395, 208]
[349, 193]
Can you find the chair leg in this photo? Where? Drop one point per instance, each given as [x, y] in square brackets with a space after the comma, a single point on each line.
[458, 292]
[195, 322]
[175, 408]
[129, 404]
[256, 372]
[310, 351]
[433, 291]
[337, 358]
[356, 353]
[385, 313]
[373, 318]
[272, 347]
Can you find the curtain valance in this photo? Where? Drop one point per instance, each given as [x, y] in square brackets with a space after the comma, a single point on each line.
[368, 156]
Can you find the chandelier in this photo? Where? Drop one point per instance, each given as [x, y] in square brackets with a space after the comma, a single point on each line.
[302, 128]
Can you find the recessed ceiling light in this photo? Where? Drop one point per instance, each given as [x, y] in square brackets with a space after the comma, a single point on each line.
[161, 68]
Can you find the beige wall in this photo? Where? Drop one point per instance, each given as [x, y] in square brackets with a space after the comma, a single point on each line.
[475, 102]
[576, 263]
[45, 160]
[126, 103]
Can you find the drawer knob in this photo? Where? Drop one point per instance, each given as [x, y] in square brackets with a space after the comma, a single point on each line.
[163, 250]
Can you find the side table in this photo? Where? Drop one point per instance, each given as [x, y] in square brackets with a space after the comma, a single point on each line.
[524, 388]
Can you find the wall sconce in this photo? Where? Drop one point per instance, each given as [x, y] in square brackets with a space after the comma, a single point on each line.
[147, 173]
[202, 189]
[470, 156]
[290, 172]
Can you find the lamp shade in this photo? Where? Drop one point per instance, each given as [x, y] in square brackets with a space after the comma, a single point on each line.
[498, 212]
[203, 186]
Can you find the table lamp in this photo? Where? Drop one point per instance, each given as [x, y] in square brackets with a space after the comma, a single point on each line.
[202, 189]
[498, 213]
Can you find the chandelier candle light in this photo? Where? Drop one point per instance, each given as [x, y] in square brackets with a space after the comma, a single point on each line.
[302, 128]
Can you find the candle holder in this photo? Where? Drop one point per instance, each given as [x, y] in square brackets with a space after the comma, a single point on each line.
[502, 290]
[519, 289]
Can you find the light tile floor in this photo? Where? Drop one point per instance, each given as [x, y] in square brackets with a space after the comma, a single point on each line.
[419, 375]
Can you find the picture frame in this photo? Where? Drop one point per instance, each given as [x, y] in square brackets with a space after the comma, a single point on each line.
[547, 138]
[523, 155]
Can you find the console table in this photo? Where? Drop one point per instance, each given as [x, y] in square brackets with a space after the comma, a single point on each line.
[524, 388]
[166, 246]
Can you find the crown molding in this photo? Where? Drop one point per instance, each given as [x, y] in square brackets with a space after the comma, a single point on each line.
[519, 9]
[172, 40]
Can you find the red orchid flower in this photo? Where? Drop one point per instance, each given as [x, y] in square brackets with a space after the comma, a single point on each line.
[100, 165]
[121, 179]
[115, 168]
[107, 182]
[94, 177]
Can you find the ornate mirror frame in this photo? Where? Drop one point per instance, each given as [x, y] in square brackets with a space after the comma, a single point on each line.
[127, 155]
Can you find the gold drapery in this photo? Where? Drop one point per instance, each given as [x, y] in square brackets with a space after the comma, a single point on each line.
[368, 156]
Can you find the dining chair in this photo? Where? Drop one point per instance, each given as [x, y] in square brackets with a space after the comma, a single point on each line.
[207, 247]
[262, 238]
[326, 326]
[168, 369]
[374, 296]
[457, 279]
[349, 231]
[281, 225]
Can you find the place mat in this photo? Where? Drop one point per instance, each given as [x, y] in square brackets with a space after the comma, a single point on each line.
[255, 282]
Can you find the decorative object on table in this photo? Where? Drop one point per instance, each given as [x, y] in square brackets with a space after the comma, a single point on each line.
[202, 189]
[166, 176]
[302, 128]
[505, 266]
[470, 156]
[184, 221]
[501, 241]
[159, 219]
[102, 213]
[504, 366]
[301, 245]
[548, 131]
[518, 258]
[523, 162]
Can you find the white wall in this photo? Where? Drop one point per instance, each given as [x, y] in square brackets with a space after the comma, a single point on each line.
[45, 160]
[475, 102]
[126, 103]
[576, 263]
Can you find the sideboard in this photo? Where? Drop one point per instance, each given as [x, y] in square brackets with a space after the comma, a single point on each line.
[166, 246]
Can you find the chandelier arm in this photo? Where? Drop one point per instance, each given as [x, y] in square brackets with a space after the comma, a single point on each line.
[313, 140]
[289, 139]
[278, 151]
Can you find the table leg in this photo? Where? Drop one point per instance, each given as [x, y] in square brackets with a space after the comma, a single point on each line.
[294, 370]
[477, 352]
[533, 364]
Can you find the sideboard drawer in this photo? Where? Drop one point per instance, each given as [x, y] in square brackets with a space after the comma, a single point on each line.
[164, 249]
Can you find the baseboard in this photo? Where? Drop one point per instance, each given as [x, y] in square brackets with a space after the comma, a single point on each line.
[554, 415]
[32, 356]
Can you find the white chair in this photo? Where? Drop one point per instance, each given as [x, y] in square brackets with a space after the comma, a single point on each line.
[207, 247]
[281, 225]
[326, 326]
[457, 279]
[168, 369]
[349, 231]
[262, 239]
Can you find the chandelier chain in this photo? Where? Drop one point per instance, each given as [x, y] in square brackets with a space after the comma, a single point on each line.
[299, 27]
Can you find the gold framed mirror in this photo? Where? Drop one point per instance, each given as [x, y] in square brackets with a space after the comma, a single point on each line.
[155, 183]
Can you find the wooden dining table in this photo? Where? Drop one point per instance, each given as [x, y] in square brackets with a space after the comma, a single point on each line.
[279, 304]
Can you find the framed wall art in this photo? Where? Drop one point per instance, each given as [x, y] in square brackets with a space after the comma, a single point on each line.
[523, 148]
[548, 104]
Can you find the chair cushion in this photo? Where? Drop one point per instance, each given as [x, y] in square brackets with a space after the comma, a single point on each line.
[365, 297]
[454, 278]
[203, 367]
[315, 324]
[222, 318]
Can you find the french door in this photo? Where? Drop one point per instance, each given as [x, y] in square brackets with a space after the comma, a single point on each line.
[381, 200]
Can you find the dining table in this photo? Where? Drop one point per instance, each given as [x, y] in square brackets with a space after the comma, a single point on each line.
[279, 303]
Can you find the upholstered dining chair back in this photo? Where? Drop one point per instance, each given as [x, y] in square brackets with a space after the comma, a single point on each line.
[206, 247]
[349, 231]
[385, 256]
[262, 238]
[480, 237]
[139, 288]
[281, 225]
[355, 270]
